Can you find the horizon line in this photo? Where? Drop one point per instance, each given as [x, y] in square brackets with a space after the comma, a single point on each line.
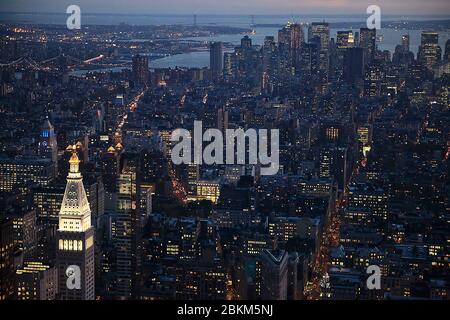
[229, 14]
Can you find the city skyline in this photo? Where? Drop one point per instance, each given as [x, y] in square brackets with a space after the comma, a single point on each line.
[122, 178]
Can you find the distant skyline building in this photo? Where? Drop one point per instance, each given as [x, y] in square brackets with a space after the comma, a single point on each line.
[322, 31]
[75, 238]
[216, 60]
[367, 41]
[48, 146]
[292, 38]
[345, 39]
[140, 69]
[405, 42]
[447, 51]
[229, 66]
[429, 50]
[353, 65]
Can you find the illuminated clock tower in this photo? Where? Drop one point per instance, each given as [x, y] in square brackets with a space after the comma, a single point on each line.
[75, 245]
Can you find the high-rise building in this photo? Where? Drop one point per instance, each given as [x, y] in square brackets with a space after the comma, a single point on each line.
[274, 274]
[333, 163]
[24, 222]
[36, 281]
[248, 64]
[353, 65]
[19, 172]
[447, 51]
[216, 60]
[405, 42]
[246, 42]
[309, 61]
[367, 41]
[269, 63]
[48, 147]
[140, 69]
[229, 66]
[7, 259]
[126, 227]
[47, 201]
[75, 240]
[208, 190]
[429, 50]
[374, 79]
[367, 197]
[321, 30]
[292, 38]
[345, 39]
[193, 176]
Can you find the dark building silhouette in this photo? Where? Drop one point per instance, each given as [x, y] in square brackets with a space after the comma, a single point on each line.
[216, 60]
[140, 69]
[353, 65]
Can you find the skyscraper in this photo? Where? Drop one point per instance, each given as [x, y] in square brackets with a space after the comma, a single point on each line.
[292, 38]
[126, 227]
[353, 65]
[447, 51]
[274, 274]
[48, 147]
[321, 30]
[75, 235]
[230, 66]
[405, 42]
[429, 50]
[373, 79]
[345, 39]
[140, 69]
[7, 258]
[367, 39]
[216, 60]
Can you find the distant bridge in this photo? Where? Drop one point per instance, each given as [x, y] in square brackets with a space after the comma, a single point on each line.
[72, 62]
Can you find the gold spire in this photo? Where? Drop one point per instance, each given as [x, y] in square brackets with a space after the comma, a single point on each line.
[74, 162]
[74, 158]
[111, 149]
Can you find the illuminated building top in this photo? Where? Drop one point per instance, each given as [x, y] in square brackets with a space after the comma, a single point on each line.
[75, 214]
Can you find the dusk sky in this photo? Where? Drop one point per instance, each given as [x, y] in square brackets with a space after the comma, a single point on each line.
[397, 7]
